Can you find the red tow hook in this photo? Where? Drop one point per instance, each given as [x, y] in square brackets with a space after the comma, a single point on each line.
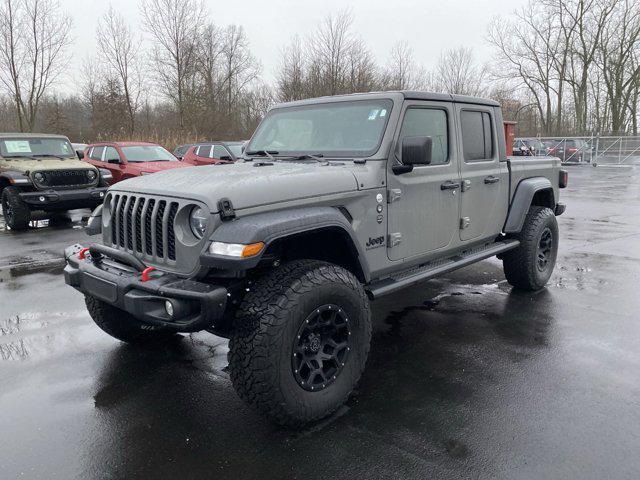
[146, 272]
[82, 253]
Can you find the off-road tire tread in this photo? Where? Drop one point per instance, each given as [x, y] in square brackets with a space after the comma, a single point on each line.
[121, 325]
[258, 329]
[518, 267]
[21, 212]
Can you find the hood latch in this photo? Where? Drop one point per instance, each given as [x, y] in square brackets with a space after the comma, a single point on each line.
[227, 211]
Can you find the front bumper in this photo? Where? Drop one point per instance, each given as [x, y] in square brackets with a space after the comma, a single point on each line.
[79, 198]
[117, 281]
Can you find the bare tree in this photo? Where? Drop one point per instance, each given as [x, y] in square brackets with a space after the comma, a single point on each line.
[210, 47]
[329, 50]
[362, 70]
[34, 36]
[400, 71]
[291, 75]
[618, 61]
[239, 67]
[120, 49]
[458, 73]
[175, 27]
[526, 55]
[583, 23]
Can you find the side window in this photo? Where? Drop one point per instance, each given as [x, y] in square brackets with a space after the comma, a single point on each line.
[477, 135]
[96, 153]
[204, 151]
[111, 154]
[219, 151]
[432, 123]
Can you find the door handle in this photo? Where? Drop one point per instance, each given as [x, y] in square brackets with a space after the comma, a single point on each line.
[449, 185]
[491, 179]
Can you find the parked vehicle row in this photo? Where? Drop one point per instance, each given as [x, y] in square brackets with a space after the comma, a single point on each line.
[44, 172]
[568, 150]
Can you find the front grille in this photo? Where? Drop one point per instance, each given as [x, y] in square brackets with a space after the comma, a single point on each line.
[65, 178]
[144, 226]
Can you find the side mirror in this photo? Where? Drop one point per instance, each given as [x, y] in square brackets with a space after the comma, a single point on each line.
[114, 160]
[415, 151]
[226, 158]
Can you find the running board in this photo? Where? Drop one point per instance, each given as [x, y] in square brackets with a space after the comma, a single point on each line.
[435, 268]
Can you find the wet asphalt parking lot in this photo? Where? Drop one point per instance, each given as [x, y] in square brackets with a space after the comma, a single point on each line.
[466, 378]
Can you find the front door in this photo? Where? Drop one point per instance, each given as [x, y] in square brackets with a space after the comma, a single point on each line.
[424, 203]
[484, 183]
[111, 153]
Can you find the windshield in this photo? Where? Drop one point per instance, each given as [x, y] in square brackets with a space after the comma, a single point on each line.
[36, 147]
[148, 153]
[341, 129]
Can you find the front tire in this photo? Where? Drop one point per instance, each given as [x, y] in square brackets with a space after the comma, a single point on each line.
[530, 265]
[16, 212]
[122, 325]
[300, 341]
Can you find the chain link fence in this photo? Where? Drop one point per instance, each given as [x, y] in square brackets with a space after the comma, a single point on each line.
[623, 150]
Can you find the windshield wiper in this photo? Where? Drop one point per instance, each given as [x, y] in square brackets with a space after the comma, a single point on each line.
[49, 155]
[263, 153]
[309, 156]
[32, 157]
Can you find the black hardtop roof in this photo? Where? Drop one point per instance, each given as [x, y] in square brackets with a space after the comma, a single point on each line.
[219, 142]
[407, 94]
[30, 135]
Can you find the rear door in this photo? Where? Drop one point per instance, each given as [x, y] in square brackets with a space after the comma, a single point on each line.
[424, 203]
[484, 189]
[219, 153]
[203, 155]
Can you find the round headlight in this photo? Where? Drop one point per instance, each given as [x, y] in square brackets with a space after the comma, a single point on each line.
[91, 174]
[39, 177]
[198, 219]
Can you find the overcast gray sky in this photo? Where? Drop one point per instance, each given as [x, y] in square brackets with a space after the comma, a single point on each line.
[428, 25]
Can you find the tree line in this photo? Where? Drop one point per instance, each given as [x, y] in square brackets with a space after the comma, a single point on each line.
[560, 67]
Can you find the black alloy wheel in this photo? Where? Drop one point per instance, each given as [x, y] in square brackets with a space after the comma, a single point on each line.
[321, 348]
[545, 246]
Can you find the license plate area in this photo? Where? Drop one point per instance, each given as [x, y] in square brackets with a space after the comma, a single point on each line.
[100, 288]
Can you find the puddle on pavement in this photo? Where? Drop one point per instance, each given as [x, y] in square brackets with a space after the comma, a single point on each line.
[11, 276]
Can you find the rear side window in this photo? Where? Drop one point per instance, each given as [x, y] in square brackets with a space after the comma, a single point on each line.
[219, 151]
[432, 123]
[477, 135]
[204, 151]
[111, 154]
[96, 153]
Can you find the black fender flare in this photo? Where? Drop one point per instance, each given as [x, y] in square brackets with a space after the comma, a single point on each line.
[14, 177]
[271, 226]
[521, 202]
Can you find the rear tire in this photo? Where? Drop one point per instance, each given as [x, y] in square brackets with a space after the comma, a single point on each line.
[300, 342]
[16, 212]
[530, 266]
[122, 325]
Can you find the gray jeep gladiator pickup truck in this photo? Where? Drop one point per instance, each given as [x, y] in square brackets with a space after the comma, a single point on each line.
[338, 201]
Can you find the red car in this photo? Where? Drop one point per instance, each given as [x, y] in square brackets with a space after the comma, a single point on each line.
[130, 159]
[213, 153]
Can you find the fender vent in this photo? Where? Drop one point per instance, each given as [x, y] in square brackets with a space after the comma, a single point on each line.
[345, 213]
